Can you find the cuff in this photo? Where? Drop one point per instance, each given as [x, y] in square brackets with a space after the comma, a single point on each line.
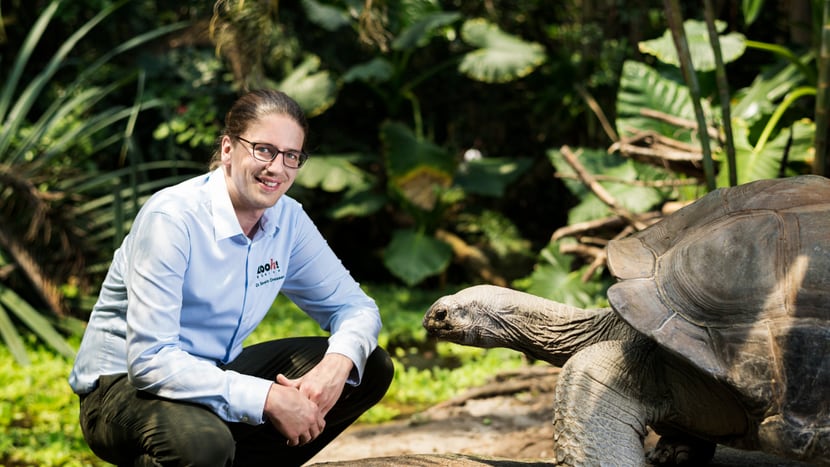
[246, 397]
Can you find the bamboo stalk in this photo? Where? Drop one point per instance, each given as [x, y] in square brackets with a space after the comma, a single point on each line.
[675, 19]
[723, 91]
[820, 164]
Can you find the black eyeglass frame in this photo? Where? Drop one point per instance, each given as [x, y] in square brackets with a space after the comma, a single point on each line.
[302, 157]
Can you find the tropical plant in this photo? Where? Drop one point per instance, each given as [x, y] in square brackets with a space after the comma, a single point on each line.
[667, 120]
[420, 180]
[48, 179]
[764, 104]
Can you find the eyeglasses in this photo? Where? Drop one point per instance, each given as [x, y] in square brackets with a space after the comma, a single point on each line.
[265, 152]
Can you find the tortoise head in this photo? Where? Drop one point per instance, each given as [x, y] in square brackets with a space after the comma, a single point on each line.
[480, 316]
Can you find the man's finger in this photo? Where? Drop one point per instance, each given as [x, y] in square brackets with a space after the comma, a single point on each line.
[283, 381]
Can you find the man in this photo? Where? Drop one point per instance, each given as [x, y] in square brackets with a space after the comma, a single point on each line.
[161, 372]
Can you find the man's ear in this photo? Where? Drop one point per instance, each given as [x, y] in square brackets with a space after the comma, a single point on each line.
[225, 148]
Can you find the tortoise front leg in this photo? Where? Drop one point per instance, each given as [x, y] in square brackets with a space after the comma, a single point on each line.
[604, 400]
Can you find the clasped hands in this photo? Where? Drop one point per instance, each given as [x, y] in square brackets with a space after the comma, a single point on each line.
[297, 407]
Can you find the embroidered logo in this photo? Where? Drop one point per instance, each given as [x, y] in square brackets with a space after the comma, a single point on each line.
[268, 272]
[272, 267]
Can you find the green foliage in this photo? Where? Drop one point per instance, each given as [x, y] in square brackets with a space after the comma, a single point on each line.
[418, 173]
[335, 173]
[494, 229]
[772, 138]
[622, 173]
[765, 104]
[500, 57]
[555, 277]
[751, 10]
[194, 124]
[419, 33]
[767, 161]
[491, 176]
[732, 46]
[50, 129]
[329, 17]
[643, 87]
[314, 89]
[42, 327]
[40, 427]
[413, 256]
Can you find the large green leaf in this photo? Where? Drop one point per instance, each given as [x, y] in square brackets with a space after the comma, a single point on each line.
[26, 50]
[12, 338]
[418, 170]
[377, 70]
[732, 46]
[358, 203]
[642, 87]
[314, 90]
[35, 321]
[769, 87]
[766, 163]
[631, 196]
[553, 278]
[419, 33]
[327, 17]
[499, 57]
[12, 121]
[491, 176]
[336, 173]
[405, 152]
[751, 9]
[413, 256]
[333, 173]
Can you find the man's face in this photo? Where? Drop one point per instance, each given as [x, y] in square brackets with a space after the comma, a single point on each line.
[254, 185]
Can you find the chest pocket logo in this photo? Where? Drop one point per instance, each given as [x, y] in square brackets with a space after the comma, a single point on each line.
[268, 272]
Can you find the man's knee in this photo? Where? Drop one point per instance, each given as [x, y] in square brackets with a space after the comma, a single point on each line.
[210, 445]
[379, 372]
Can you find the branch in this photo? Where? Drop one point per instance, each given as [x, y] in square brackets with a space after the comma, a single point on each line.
[594, 106]
[43, 286]
[599, 190]
[471, 257]
[641, 183]
[678, 122]
[587, 226]
[581, 249]
[543, 379]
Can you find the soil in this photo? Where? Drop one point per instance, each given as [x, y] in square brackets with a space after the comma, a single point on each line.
[504, 423]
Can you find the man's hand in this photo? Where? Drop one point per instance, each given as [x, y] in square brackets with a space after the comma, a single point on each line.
[293, 414]
[324, 383]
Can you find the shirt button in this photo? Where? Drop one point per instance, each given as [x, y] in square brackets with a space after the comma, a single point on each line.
[244, 418]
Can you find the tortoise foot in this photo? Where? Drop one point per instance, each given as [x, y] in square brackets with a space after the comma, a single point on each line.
[678, 450]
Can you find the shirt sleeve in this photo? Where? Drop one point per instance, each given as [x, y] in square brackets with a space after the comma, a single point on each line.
[318, 283]
[156, 361]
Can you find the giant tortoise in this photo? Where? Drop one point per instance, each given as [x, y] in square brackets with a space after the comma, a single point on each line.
[718, 333]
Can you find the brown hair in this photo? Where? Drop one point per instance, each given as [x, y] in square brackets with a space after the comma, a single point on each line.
[252, 107]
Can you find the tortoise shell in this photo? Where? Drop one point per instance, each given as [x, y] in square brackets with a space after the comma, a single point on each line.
[738, 283]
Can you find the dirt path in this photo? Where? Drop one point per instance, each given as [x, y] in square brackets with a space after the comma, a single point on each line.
[507, 419]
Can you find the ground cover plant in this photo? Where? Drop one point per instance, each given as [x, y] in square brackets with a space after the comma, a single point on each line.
[39, 413]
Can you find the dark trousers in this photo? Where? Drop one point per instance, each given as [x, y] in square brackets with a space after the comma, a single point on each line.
[125, 426]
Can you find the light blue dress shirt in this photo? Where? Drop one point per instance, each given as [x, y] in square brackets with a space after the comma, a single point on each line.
[187, 287]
